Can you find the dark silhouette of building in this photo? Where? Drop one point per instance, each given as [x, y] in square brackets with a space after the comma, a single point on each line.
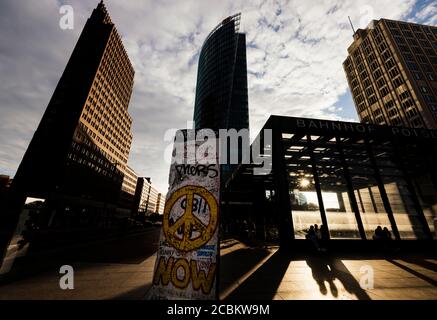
[392, 73]
[147, 199]
[5, 182]
[221, 91]
[78, 156]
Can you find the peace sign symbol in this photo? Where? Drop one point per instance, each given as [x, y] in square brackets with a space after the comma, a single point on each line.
[188, 221]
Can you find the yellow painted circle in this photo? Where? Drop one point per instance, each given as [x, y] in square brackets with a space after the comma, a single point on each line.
[188, 219]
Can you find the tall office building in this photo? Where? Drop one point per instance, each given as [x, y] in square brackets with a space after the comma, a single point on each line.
[160, 206]
[79, 152]
[392, 73]
[147, 198]
[221, 91]
[128, 188]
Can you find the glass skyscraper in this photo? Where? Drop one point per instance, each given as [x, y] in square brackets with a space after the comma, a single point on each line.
[221, 92]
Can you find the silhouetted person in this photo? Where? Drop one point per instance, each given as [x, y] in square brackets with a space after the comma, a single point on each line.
[317, 232]
[311, 235]
[324, 232]
[389, 246]
[324, 237]
[386, 234]
[379, 234]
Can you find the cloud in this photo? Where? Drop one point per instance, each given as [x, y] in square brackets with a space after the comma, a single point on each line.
[295, 54]
[426, 14]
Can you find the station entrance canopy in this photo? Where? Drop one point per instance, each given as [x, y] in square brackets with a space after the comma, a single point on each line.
[349, 177]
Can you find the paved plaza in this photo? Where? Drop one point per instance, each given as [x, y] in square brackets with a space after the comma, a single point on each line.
[266, 273]
[109, 271]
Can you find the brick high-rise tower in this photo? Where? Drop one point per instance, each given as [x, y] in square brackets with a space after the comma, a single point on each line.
[392, 73]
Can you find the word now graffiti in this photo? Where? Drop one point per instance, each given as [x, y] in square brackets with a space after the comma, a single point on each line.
[168, 272]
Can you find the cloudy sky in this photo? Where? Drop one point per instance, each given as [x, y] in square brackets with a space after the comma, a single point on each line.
[295, 51]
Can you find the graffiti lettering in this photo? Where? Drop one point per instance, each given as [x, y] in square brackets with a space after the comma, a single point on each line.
[197, 170]
[200, 280]
[197, 205]
[186, 262]
[163, 272]
[180, 283]
[171, 271]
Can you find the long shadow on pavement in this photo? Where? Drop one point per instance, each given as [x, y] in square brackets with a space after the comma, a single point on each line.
[237, 263]
[264, 282]
[327, 269]
[422, 263]
[413, 272]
